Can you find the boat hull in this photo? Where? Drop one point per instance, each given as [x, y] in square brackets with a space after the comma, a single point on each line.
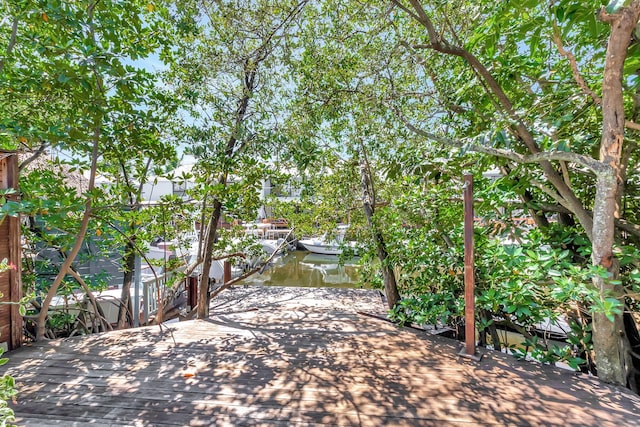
[319, 247]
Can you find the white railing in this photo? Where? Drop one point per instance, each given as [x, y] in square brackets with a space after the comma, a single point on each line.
[149, 296]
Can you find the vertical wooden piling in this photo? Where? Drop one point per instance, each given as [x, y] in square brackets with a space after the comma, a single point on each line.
[192, 291]
[469, 279]
[226, 272]
[11, 249]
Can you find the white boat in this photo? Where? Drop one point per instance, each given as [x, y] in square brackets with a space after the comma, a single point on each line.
[328, 260]
[269, 246]
[330, 272]
[319, 246]
[261, 250]
[334, 246]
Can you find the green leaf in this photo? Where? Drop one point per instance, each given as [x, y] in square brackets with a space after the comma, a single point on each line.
[63, 78]
[575, 362]
[593, 24]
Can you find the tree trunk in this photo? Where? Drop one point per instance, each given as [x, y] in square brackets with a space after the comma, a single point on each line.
[84, 224]
[82, 232]
[611, 345]
[210, 238]
[368, 202]
[129, 263]
[250, 72]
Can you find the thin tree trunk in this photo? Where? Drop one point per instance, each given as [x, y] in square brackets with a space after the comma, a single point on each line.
[99, 315]
[84, 224]
[610, 342]
[492, 330]
[210, 238]
[131, 251]
[125, 297]
[368, 202]
[233, 144]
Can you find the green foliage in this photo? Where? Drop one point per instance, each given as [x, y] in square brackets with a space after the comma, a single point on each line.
[234, 96]
[61, 322]
[8, 389]
[510, 284]
[8, 392]
[50, 91]
[533, 349]
[9, 207]
[519, 285]
[435, 309]
[5, 265]
[72, 76]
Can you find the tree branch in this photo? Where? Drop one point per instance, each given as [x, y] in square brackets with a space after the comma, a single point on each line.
[607, 17]
[578, 77]
[621, 223]
[595, 166]
[12, 41]
[574, 67]
[631, 125]
[98, 312]
[546, 190]
[493, 88]
[406, 10]
[33, 156]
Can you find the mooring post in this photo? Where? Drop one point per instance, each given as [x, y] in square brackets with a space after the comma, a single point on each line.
[192, 294]
[469, 349]
[226, 277]
[137, 278]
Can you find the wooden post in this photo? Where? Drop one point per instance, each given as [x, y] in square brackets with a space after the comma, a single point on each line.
[137, 283]
[10, 248]
[192, 291]
[226, 276]
[469, 349]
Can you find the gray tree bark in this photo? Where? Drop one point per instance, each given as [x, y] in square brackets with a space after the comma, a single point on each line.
[611, 345]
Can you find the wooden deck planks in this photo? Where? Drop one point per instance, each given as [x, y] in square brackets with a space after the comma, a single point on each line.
[297, 364]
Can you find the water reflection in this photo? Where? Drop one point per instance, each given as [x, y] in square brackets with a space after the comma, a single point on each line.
[302, 268]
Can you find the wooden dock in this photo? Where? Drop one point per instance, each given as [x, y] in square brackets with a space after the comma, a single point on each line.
[294, 361]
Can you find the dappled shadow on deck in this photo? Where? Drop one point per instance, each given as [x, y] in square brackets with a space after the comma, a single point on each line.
[296, 361]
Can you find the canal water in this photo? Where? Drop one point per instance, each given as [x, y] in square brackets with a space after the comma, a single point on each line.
[306, 269]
